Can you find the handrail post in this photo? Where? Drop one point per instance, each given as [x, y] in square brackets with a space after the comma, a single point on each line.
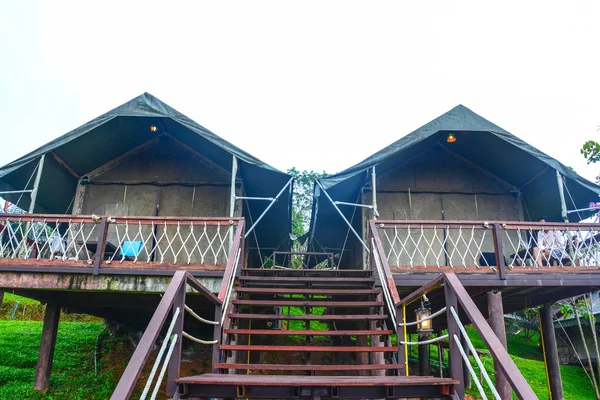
[499, 250]
[100, 245]
[456, 361]
[400, 337]
[217, 332]
[175, 361]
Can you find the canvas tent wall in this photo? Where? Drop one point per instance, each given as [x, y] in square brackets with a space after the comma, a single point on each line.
[127, 127]
[524, 173]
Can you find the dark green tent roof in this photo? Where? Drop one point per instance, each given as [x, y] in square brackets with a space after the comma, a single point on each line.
[126, 127]
[479, 141]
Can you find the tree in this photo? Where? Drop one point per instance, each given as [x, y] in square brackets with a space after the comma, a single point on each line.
[591, 151]
[304, 182]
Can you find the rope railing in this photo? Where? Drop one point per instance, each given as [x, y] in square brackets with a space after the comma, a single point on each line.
[160, 354]
[195, 339]
[199, 318]
[423, 342]
[164, 367]
[464, 334]
[435, 314]
[465, 358]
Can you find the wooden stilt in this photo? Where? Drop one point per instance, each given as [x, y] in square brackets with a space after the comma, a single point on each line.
[552, 361]
[44, 363]
[455, 358]
[1, 297]
[423, 356]
[496, 313]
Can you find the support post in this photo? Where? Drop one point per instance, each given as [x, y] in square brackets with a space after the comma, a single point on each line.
[362, 358]
[1, 297]
[561, 193]
[175, 361]
[216, 353]
[36, 184]
[232, 195]
[46, 356]
[374, 193]
[423, 355]
[401, 337]
[496, 320]
[455, 358]
[499, 249]
[552, 361]
[100, 245]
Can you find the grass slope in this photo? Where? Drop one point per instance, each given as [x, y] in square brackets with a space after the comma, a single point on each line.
[73, 374]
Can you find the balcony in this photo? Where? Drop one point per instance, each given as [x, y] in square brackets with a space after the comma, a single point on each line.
[137, 245]
[493, 247]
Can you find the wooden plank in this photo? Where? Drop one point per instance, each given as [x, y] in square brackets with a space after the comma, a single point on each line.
[327, 292]
[309, 333]
[432, 285]
[64, 164]
[304, 279]
[307, 303]
[347, 317]
[122, 158]
[298, 380]
[203, 290]
[47, 344]
[302, 367]
[311, 349]
[506, 364]
[273, 271]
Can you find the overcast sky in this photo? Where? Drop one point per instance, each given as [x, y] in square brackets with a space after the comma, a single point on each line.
[313, 84]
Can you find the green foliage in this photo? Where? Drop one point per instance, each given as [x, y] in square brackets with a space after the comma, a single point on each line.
[591, 151]
[73, 375]
[303, 190]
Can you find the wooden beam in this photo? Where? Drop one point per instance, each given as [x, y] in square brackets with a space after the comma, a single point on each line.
[551, 351]
[431, 285]
[476, 166]
[456, 360]
[496, 319]
[65, 165]
[123, 157]
[534, 178]
[47, 344]
[200, 157]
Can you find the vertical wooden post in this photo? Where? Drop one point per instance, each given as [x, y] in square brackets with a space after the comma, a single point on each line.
[36, 184]
[455, 359]
[46, 356]
[362, 358]
[1, 297]
[100, 245]
[216, 353]
[376, 358]
[552, 361]
[499, 250]
[175, 361]
[496, 320]
[423, 355]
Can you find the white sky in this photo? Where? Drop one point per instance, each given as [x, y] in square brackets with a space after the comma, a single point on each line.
[312, 84]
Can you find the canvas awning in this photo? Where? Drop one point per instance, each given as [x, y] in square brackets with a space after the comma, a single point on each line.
[126, 127]
[528, 170]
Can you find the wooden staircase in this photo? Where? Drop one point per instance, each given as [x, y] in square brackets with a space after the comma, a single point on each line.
[315, 334]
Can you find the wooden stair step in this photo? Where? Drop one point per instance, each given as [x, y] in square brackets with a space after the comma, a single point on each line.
[348, 317]
[311, 279]
[325, 292]
[302, 367]
[310, 349]
[307, 303]
[308, 271]
[307, 332]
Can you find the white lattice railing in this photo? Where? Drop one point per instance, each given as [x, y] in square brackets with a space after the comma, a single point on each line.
[486, 245]
[144, 240]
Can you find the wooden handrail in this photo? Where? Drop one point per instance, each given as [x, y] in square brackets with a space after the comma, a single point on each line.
[120, 220]
[388, 278]
[500, 354]
[428, 287]
[505, 225]
[231, 268]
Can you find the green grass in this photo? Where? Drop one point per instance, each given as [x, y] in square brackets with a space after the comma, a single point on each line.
[13, 298]
[73, 374]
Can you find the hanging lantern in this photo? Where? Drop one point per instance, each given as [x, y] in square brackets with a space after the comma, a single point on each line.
[451, 138]
[422, 314]
[153, 128]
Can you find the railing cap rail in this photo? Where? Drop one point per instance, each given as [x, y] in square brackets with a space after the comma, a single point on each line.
[389, 224]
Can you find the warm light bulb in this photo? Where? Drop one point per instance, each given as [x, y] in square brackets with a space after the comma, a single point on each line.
[153, 128]
[451, 138]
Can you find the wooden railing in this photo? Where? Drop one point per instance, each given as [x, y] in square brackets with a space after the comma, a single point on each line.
[459, 302]
[173, 301]
[30, 240]
[495, 246]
